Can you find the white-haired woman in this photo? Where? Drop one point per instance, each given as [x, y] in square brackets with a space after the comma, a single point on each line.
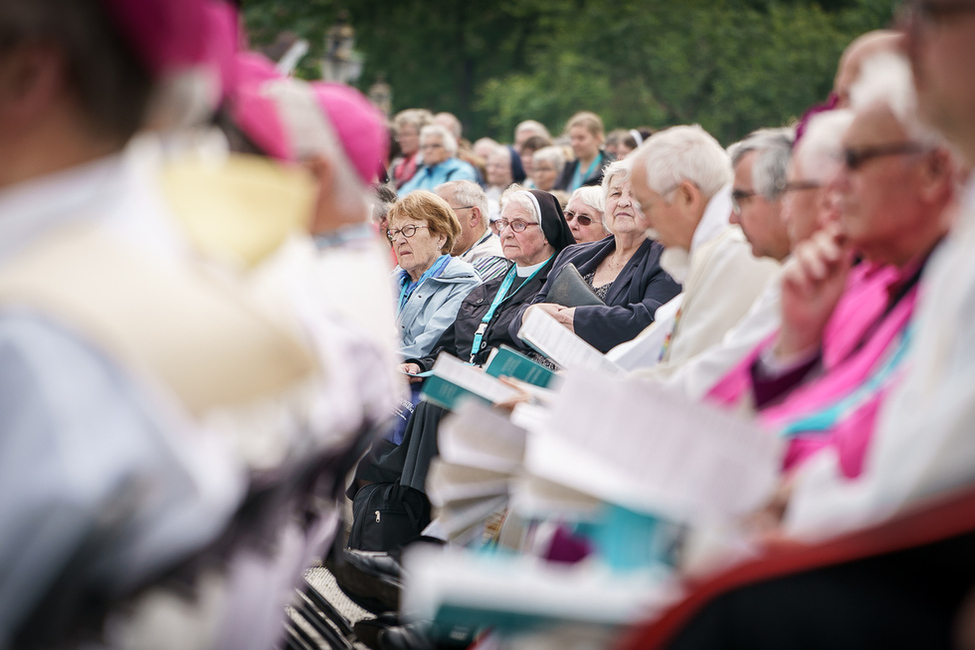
[584, 214]
[547, 166]
[438, 146]
[624, 271]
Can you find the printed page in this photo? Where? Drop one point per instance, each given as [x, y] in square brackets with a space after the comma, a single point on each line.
[555, 341]
[478, 436]
[635, 444]
[644, 351]
[447, 482]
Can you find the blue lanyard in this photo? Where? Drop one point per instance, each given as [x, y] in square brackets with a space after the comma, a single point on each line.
[578, 177]
[410, 287]
[499, 298]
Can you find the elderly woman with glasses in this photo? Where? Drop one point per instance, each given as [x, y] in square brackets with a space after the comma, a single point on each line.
[533, 232]
[623, 271]
[584, 214]
[547, 166]
[429, 283]
[438, 146]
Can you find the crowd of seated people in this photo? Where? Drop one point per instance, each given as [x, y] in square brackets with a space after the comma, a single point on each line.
[215, 312]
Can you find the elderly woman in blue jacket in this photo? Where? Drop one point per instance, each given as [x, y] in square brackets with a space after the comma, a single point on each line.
[429, 283]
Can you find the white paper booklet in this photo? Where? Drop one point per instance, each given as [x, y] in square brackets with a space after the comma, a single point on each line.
[478, 436]
[651, 450]
[541, 331]
[644, 351]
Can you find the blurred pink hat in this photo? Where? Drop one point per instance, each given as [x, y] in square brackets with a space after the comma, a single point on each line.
[167, 35]
[358, 124]
[252, 111]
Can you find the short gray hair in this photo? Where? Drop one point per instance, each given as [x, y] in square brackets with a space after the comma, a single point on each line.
[618, 168]
[772, 148]
[553, 155]
[818, 149]
[514, 194]
[534, 127]
[684, 153]
[592, 196]
[466, 193]
[446, 137]
[886, 78]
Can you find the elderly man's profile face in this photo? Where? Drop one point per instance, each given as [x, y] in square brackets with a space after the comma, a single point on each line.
[801, 210]
[880, 202]
[434, 153]
[759, 218]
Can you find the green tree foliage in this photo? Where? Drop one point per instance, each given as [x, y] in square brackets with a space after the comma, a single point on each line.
[730, 65]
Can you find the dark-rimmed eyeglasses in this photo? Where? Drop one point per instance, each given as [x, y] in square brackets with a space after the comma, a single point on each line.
[407, 231]
[517, 226]
[581, 218]
[856, 158]
[738, 196]
[463, 207]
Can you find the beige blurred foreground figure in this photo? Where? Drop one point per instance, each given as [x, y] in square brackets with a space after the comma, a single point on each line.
[130, 340]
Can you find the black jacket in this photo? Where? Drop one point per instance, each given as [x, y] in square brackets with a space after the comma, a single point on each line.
[459, 337]
[565, 180]
[638, 290]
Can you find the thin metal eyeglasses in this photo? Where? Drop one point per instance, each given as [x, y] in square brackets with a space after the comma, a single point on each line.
[408, 231]
[517, 226]
[583, 219]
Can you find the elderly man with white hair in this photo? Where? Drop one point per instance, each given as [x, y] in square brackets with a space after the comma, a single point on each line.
[804, 209]
[477, 244]
[440, 163]
[682, 177]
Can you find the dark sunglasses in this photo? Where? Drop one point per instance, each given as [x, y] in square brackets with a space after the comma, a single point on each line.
[856, 158]
[581, 218]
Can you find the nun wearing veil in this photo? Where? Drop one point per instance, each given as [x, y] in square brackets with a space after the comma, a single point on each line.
[533, 233]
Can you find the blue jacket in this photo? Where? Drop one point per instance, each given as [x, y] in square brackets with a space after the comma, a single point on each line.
[433, 306]
[427, 178]
[638, 290]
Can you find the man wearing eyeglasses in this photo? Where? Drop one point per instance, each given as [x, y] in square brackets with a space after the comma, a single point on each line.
[477, 244]
[924, 444]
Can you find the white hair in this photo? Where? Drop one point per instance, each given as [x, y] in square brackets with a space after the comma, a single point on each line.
[773, 148]
[553, 155]
[684, 153]
[311, 134]
[614, 169]
[447, 138]
[519, 196]
[886, 79]
[467, 193]
[818, 149]
[591, 195]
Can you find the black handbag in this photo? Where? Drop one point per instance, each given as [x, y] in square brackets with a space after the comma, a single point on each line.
[569, 289]
[386, 516]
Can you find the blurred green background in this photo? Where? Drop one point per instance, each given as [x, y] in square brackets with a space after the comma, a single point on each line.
[730, 65]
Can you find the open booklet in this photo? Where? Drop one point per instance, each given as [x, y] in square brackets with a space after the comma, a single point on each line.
[451, 380]
[651, 450]
[552, 339]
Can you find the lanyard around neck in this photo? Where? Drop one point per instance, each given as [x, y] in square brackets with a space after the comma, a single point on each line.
[499, 298]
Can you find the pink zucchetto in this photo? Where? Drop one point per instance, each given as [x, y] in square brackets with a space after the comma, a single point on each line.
[252, 111]
[167, 35]
[358, 124]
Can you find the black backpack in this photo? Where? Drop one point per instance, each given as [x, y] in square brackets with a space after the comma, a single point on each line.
[386, 516]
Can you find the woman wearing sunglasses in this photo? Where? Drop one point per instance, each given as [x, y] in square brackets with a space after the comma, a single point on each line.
[584, 214]
[429, 283]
